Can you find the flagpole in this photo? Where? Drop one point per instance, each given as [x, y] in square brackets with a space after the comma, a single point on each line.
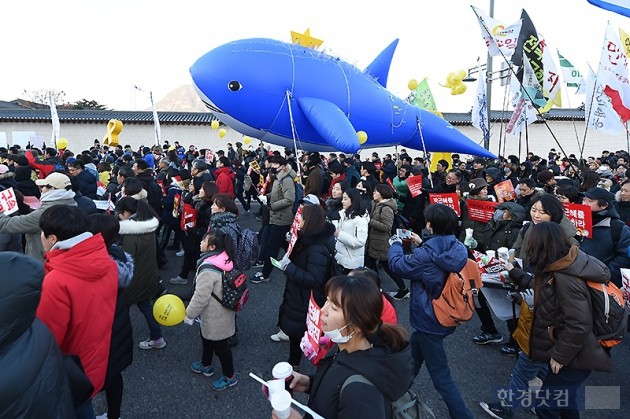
[424, 150]
[521, 84]
[520, 143]
[486, 141]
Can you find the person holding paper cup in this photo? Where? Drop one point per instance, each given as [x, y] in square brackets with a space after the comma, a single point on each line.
[364, 346]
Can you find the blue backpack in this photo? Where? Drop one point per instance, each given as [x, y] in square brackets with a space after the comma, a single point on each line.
[299, 192]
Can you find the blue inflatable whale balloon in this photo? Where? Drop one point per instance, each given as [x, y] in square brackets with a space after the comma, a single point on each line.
[277, 91]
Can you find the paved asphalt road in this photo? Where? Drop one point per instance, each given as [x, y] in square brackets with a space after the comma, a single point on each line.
[160, 384]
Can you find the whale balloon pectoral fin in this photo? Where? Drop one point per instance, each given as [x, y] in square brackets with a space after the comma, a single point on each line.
[330, 123]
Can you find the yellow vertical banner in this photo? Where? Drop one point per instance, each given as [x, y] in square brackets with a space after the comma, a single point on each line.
[437, 156]
[625, 41]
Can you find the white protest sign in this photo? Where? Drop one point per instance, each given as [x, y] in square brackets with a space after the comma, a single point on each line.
[8, 202]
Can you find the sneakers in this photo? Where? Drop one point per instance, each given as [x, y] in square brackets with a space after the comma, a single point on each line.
[496, 410]
[258, 278]
[224, 382]
[399, 295]
[178, 280]
[200, 369]
[486, 337]
[180, 253]
[153, 344]
[280, 337]
[509, 350]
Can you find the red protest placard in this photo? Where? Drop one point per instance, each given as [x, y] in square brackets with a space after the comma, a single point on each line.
[176, 200]
[505, 191]
[189, 217]
[312, 344]
[481, 210]
[295, 227]
[414, 183]
[8, 202]
[209, 157]
[448, 199]
[580, 215]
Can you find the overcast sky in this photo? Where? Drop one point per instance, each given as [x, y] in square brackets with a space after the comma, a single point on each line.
[99, 50]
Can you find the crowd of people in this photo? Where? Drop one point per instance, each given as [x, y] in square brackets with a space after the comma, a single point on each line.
[339, 216]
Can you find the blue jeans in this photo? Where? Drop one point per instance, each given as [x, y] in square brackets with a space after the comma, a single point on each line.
[568, 381]
[430, 348]
[146, 308]
[524, 371]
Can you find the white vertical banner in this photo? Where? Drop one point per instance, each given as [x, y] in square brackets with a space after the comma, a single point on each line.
[498, 38]
[598, 110]
[55, 120]
[480, 106]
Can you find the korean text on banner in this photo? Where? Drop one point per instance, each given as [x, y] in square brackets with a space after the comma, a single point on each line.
[505, 191]
[209, 156]
[295, 227]
[581, 216]
[8, 202]
[625, 285]
[414, 183]
[448, 199]
[310, 345]
[481, 210]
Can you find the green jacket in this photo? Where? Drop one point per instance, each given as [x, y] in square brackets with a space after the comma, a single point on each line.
[403, 190]
[282, 197]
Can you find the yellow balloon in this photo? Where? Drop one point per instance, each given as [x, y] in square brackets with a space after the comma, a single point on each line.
[455, 80]
[449, 79]
[247, 140]
[458, 89]
[214, 124]
[169, 310]
[362, 137]
[413, 84]
[62, 143]
[462, 74]
[222, 132]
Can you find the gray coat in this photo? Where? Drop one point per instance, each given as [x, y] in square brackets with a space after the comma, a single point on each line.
[380, 227]
[217, 322]
[282, 197]
[29, 224]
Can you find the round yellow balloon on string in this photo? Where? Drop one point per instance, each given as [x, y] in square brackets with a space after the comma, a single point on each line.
[362, 137]
[214, 124]
[222, 133]
[169, 310]
[458, 89]
[62, 143]
[413, 84]
[247, 140]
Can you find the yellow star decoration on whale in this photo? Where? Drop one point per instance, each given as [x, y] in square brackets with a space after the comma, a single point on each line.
[305, 39]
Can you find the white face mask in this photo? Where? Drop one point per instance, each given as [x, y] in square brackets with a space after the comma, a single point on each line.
[336, 336]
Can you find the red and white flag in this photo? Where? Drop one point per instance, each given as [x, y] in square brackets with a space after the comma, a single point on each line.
[499, 38]
[613, 74]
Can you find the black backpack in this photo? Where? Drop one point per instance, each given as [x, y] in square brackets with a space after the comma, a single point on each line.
[235, 292]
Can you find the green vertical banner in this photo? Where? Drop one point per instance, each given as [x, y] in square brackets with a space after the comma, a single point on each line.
[424, 98]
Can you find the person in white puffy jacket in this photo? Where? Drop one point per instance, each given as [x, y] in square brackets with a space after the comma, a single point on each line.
[352, 231]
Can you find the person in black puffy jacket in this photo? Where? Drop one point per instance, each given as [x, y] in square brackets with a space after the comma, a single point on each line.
[33, 381]
[306, 271]
[121, 344]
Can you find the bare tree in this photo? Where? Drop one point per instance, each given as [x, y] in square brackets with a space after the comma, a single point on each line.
[41, 96]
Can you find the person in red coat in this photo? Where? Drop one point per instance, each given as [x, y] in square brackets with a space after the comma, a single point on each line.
[78, 301]
[224, 177]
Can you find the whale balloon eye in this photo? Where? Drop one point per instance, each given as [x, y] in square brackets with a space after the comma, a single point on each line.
[234, 86]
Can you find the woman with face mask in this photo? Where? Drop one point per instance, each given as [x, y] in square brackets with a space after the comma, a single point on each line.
[365, 346]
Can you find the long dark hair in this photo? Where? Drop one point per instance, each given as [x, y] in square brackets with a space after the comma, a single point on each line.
[551, 205]
[139, 207]
[210, 189]
[314, 219]
[226, 202]
[547, 243]
[590, 179]
[362, 305]
[357, 209]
